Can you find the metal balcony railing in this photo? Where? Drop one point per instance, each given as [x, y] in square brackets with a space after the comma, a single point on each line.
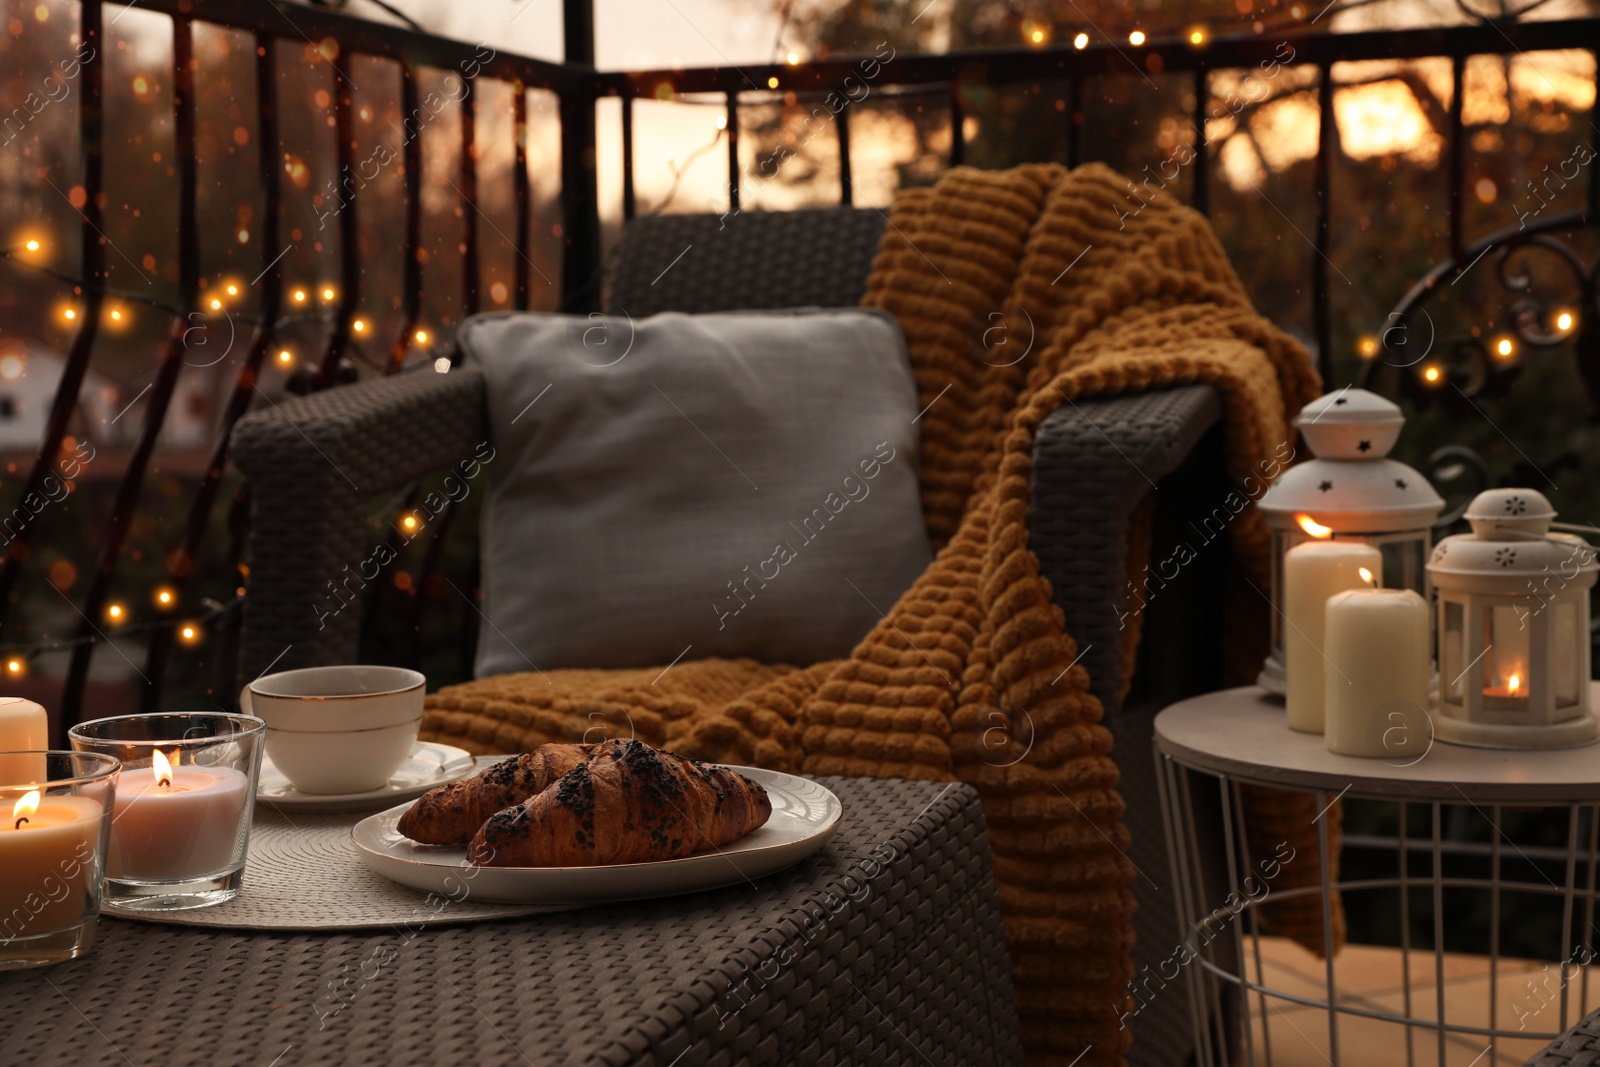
[949, 80]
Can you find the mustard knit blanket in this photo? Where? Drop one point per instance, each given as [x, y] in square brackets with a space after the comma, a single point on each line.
[1119, 302]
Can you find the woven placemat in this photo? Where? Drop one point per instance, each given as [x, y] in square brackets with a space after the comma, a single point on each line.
[303, 873]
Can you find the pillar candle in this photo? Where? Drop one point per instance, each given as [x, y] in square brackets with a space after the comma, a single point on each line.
[1313, 572]
[1376, 681]
[23, 726]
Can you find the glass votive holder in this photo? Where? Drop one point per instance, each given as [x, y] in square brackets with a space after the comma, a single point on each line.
[53, 834]
[181, 824]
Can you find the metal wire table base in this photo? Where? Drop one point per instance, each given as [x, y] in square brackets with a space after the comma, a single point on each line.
[1438, 889]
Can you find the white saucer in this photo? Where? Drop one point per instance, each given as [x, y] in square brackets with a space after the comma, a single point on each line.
[804, 816]
[429, 765]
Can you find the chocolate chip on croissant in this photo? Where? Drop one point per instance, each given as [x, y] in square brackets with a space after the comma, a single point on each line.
[451, 814]
[629, 804]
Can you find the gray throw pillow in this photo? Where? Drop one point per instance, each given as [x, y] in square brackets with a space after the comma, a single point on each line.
[737, 484]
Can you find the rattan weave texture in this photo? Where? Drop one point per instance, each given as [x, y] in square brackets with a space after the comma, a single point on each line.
[1578, 1047]
[756, 259]
[304, 874]
[885, 948]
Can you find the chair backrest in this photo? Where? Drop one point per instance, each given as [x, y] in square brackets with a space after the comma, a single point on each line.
[757, 259]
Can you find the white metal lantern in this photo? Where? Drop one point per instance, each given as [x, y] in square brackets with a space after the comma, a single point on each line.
[1349, 491]
[1513, 627]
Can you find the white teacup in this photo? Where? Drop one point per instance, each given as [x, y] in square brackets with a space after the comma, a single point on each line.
[338, 729]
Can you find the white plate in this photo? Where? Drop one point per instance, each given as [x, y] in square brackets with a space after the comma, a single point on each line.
[804, 816]
[429, 765]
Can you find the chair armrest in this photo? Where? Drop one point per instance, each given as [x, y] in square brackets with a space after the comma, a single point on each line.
[313, 464]
[1093, 463]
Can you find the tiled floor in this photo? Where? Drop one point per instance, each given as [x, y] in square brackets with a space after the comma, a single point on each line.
[1373, 979]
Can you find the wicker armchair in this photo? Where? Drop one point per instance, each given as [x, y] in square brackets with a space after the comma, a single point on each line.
[315, 463]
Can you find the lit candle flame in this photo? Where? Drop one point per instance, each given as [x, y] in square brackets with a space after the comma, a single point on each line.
[26, 806]
[1312, 526]
[1366, 575]
[1514, 684]
[162, 769]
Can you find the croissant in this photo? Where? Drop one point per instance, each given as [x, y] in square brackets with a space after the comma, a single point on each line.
[451, 814]
[629, 804]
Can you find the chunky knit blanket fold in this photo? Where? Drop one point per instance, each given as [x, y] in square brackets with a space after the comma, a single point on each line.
[1116, 298]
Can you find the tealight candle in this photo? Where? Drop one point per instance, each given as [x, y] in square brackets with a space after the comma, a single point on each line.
[1312, 573]
[24, 728]
[176, 822]
[1376, 687]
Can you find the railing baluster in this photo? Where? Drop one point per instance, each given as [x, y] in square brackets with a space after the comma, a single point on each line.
[167, 372]
[470, 278]
[629, 203]
[958, 122]
[180, 562]
[847, 192]
[1457, 154]
[522, 193]
[1202, 169]
[1594, 173]
[349, 232]
[411, 169]
[93, 258]
[1075, 121]
[733, 151]
[1327, 135]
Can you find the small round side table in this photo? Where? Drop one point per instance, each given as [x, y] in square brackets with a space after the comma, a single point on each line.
[1210, 748]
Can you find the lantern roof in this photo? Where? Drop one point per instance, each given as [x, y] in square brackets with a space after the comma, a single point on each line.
[1350, 486]
[1350, 424]
[1511, 539]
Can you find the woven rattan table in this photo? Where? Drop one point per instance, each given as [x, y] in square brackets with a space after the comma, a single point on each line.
[884, 948]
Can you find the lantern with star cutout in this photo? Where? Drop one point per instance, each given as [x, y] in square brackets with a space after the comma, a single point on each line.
[1513, 622]
[1349, 491]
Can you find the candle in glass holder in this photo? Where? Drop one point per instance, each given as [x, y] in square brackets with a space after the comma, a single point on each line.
[24, 727]
[47, 851]
[1376, 685]
[1312, 573]
[176, 822]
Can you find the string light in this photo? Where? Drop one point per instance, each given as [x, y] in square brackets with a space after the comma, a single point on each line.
[69, 314]
[1504, 348]
[116, 613]
[409, 522]
[285, 357]
[32, 246]
[1081, 41]
[1197, 36]
[189, 633]
[1368, 347]
[1564, 321]
[16, 667]
[327, 292]
[422, 337]
[299, 296]
[793, 58]
[359, 326]
[772, 82]
[1431, 374]
[1136, 38]
[165, 597]
[233, 290]
[216, 305]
